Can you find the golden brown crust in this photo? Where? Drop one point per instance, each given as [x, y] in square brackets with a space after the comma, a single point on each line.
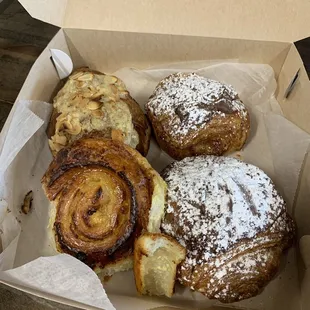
[207, 120]
[102, 190]
[90, 102]
[236, 285]
[141, 125]
[232, 221]
[50, 131]
[217, 138]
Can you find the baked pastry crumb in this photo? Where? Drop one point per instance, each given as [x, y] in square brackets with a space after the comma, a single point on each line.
[156, 257]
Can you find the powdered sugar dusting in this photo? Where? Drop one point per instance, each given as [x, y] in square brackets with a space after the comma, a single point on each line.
[233, 201]
[191, 101]
[220, 208]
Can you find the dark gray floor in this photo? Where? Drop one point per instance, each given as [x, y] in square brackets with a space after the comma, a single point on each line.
[22, 39]
[11, 299]
[5, 109]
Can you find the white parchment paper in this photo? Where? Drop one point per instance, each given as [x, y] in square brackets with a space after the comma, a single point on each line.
[275, 145]
[64, 276]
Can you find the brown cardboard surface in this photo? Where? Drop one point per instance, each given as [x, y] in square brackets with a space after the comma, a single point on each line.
[121, 49]
[302, 214]
[52, 12]
[108, 51]
[296, 106]
[276, 20]
[304, 245]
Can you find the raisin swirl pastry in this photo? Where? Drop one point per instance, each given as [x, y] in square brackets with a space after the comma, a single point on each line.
[232, 221]
[93, 101]
[192, 115]
[104, 195]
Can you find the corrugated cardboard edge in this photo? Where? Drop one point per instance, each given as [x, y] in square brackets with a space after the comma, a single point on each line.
[276, 20]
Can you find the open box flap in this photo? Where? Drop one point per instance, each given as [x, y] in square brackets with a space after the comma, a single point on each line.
[50, 11]
[277, 20]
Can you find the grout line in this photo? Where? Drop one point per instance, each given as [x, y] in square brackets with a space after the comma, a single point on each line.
[6, 102]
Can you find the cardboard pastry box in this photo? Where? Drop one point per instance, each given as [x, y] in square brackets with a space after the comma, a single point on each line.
[108, 35]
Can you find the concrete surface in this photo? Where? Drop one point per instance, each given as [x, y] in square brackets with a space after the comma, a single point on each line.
[11, 299]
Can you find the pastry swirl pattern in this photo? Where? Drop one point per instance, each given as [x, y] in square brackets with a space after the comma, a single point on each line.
[102, 191]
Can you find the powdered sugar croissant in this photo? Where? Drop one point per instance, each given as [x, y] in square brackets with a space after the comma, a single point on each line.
[232, 221]
[192, 115]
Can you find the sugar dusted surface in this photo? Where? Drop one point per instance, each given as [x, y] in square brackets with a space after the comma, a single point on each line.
[220, 208]
[191, 101]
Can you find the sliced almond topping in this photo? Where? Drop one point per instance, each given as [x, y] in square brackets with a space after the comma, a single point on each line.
[55, 147]
[114, 89]
[93, 105]
[58, 147]
[84, 102]
[72, 126]
[69, 97]
[87, 94]
[111, 98]
[60, 125]
[76, 75]
[61, 117]
[60, 139]
[121, 86]
[117, 135]
[98, 113]
[76, 114]
[51, 144]
[75, 129]
[121, 89]
[110, 79]
[98, 93]
[86, 77]
[77, 98]
[92, 89]
[117, 97]
[124, 94]
[66, 125]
